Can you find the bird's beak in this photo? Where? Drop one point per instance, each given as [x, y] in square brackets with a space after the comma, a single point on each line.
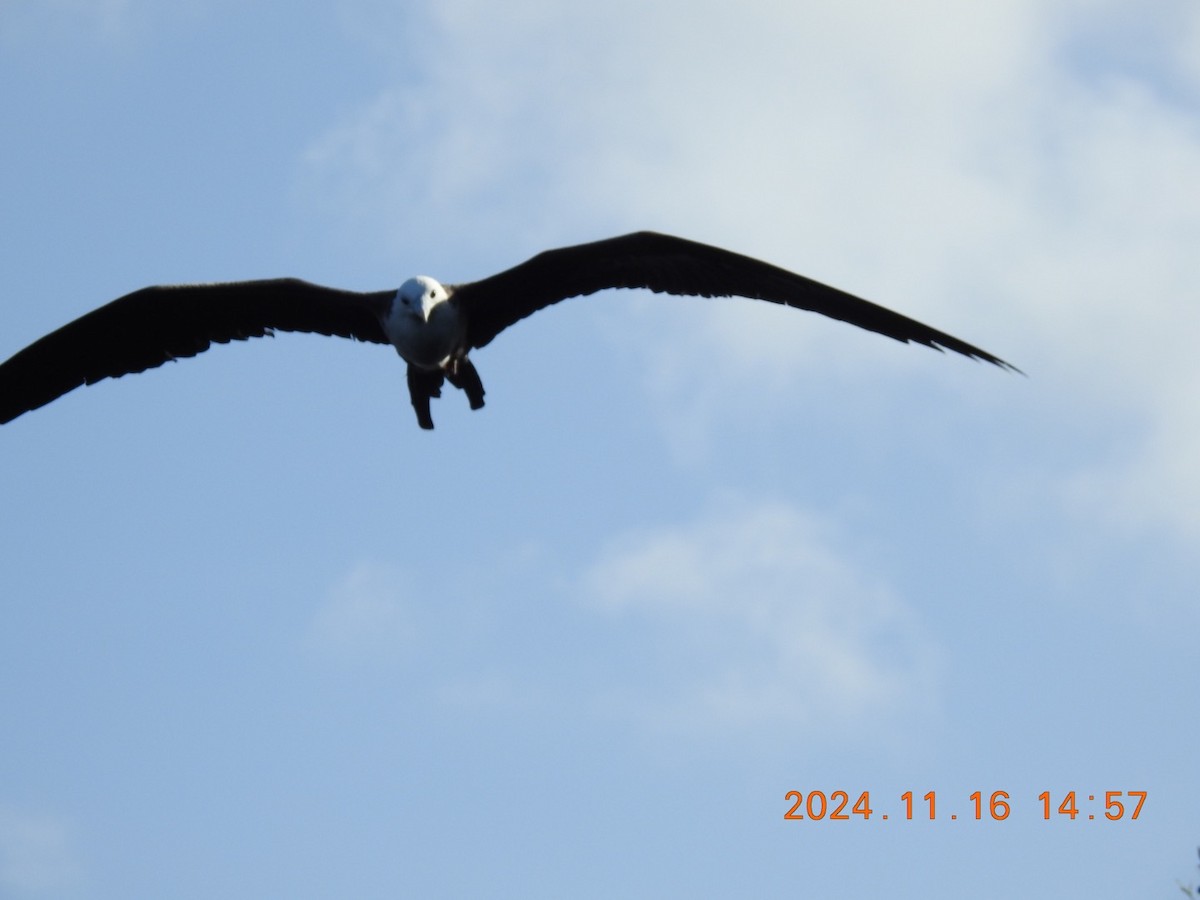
[427, 306]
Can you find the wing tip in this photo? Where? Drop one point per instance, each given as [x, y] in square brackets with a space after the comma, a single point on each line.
[942, 343]
[984, 356]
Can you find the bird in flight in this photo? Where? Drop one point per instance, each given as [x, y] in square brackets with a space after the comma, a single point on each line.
[432, 326]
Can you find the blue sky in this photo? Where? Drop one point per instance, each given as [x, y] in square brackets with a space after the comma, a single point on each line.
[262, 637]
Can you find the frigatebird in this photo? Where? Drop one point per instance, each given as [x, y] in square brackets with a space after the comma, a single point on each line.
[431, 325]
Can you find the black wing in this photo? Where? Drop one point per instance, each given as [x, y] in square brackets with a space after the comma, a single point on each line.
[673, 265]
[149, 327]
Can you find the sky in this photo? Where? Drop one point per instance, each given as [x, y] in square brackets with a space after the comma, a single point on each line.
[260, 636]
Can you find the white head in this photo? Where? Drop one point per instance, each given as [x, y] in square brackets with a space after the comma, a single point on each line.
[418, 297]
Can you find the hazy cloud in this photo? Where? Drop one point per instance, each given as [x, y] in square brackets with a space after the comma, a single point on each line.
[1019, 177]
[105, 19]
[365, 616]
[35, 854]
[764, 622]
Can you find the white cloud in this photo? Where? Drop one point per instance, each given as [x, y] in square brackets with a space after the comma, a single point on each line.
[365, 617]
[35, 854]
[999, 176]
[1156, 481]
[763, 622]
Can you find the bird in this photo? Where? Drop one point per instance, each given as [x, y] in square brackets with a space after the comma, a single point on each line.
[432, 326]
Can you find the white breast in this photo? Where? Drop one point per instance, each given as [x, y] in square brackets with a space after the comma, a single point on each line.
[423, 325]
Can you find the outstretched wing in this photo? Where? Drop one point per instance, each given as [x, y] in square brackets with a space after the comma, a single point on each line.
[673, 265]
[149, 327]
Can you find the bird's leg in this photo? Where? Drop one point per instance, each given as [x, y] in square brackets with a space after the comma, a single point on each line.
[424, 384]
[461, 373]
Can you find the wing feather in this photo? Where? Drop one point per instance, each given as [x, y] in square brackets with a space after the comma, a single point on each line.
[673, 265]
[154, 325]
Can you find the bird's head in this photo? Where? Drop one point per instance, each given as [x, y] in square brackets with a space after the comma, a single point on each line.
[418, 297]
